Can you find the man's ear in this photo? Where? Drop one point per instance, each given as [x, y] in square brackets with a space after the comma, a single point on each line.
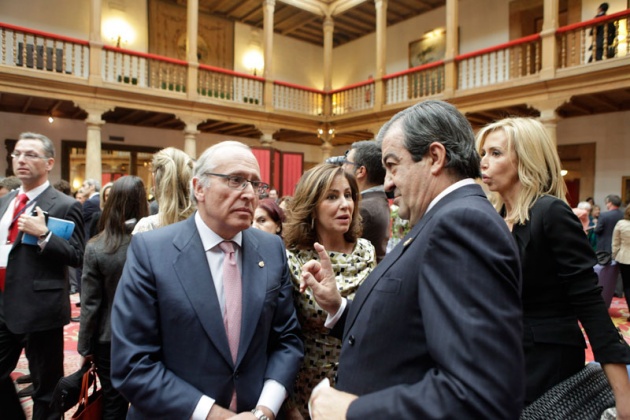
[437, 154]
[360, 172]
[198, 190]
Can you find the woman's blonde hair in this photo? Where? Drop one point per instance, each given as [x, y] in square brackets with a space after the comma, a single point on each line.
[539, 168]
[173, 173]
[299, 229]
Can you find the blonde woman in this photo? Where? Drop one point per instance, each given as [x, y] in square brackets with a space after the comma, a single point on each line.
[521, 167]
[172, 174]
[324, 209]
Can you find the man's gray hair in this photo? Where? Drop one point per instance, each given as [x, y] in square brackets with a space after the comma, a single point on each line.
[49, 147]
[207, 162]
[92, 182]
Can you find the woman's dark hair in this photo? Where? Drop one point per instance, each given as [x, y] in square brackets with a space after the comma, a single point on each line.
[127, 201]
[274, 211]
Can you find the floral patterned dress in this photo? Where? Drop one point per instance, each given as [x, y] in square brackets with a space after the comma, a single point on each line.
[321, 351]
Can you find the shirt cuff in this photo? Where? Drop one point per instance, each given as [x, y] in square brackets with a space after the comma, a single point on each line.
[272, 396]
[331, 320]
[203, 408]
[43, 242]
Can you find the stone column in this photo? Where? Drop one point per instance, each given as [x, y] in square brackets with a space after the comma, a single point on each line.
[548, 115]
[192, 29]
[93, 157]
[326, 147]
[329, 27]
[548, 35]
[96, 44]
[452, 41]
[381, 53]
[190, 134]
[268, 11]
[266, 139]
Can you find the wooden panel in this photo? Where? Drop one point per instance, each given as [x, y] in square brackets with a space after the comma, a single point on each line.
[167, 35]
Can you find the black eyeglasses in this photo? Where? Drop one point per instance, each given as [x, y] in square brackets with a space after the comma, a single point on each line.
[240, 183]
[346, 161]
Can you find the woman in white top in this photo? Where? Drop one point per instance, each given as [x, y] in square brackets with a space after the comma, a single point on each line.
[621, 251]
[172, 174]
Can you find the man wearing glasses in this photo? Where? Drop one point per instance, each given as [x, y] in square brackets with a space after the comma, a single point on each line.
[34, 303]
[203, 322]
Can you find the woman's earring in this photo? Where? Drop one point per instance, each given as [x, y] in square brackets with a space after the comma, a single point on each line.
[313, 223]
[278, 229]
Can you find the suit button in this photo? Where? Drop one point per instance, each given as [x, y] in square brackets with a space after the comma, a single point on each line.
[351, 340]
[236, 374]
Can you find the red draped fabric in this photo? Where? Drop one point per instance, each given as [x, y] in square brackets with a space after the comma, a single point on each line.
[292, 167]
[263, 156]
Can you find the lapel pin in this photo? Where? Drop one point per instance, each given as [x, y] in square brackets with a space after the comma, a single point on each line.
[261, 264]
[407, 242]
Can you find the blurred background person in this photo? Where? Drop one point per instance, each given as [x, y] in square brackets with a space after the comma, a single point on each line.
[273, 194]
[323, 209]
[95, 226]
[621, 252]
[284, 202]
[268, 216]
[105, 256]
[520, 165]
[9, 184]
[364, 161]
[63, 186]
[594, 218]
[172, 175]
[583, 211]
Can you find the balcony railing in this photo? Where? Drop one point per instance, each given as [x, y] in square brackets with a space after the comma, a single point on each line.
[353, 98]
[290, 97]
[501, 63]
[415, 83]
[602, 38]
[41, 51]
[228, 85]
[143, 70]
[64, 57]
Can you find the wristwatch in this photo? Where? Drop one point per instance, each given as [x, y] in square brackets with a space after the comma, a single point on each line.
[259, 414]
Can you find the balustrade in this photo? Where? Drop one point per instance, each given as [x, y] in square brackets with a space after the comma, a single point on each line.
[227, 85]
[353, 98]
[415, 83]
[294, 98]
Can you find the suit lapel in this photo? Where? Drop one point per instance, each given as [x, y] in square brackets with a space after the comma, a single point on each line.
[254, 278]
[367, 287]
[46, 201]
[192, 271]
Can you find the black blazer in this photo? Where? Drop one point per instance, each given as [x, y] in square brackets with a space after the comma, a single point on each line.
[36, 290]
[560, 287]
[605, 227]
[444, 299]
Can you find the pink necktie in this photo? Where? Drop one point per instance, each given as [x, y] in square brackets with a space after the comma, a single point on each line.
[232, 291]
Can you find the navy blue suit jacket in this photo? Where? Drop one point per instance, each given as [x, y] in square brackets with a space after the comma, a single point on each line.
[435, 330]
[169, 344]
[605, 227]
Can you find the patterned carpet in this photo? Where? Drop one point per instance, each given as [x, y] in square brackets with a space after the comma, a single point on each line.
[618, 311]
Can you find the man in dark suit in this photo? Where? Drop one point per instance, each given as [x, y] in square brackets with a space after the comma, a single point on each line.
[173, 299]
[363, 160]
[435, 331]
[34, 303]
[607, 221]
[92, 205]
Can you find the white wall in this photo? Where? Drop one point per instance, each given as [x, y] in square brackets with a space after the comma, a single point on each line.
[611, 132]
[477, 31]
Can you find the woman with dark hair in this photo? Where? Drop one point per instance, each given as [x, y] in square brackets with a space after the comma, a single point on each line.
[324, 209]
[269, 216]
[105, 256]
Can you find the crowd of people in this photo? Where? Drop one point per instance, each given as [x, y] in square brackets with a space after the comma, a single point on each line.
[376, 290]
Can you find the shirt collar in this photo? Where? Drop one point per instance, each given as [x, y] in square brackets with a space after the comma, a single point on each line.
[375, 188]
[448, 190]
[209, 238]
[35, 191]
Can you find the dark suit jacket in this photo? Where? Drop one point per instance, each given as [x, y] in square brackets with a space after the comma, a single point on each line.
[101, 273]
[169, 344]
[92, 205]
[605, 227]
[36, 291]
[374, 209]
[560, 288]
[435, 330]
